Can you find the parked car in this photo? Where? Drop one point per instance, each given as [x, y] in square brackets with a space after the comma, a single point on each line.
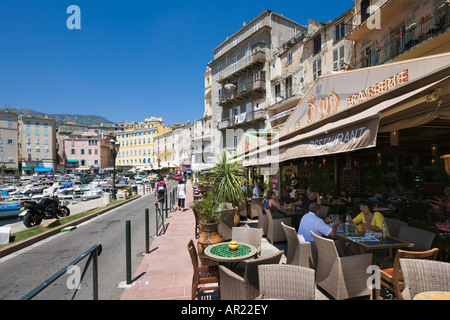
[178, 177]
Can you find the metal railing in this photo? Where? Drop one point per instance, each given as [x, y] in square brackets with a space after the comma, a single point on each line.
[92, 255]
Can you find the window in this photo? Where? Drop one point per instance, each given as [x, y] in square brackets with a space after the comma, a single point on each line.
[289, 58]
[28, 131]
[9, 121]
[338, 58]
[277, 90]
[37, 132]
[28, 148]
[81, 151]
[235, 41]
[317, 44]
[339, 31]
[288, 87]
[38, 149]
[233, 63]
[218, 69]
[36, 123]
[46, 149]
[317, 68]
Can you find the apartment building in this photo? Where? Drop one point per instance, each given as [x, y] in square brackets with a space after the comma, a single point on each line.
[202, 155]
[395, 30]
[87, 152]
[9, 142]
[37, 144]
[138, 144]
[69, 128]
[240, 76]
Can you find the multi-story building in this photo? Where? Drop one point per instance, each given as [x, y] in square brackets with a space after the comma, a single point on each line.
[37, 144]
[9, 144]
[202, 156]
[395, 30]
[87, 152]
[138, 144]
[240, 76]
[65, 130]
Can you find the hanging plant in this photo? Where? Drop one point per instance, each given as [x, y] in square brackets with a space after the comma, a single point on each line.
[364, 57]
[411, 27]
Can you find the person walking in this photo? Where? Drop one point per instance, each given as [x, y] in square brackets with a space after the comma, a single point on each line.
[181, 194]
[161, 191]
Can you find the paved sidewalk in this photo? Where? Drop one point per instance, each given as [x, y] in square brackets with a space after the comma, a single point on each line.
[166, 272]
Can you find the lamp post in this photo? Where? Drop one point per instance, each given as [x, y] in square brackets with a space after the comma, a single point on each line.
[159, 167]
[114, 147]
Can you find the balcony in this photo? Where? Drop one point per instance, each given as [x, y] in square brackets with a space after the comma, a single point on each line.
[241, 92]
[407, 37]
[243, 119]
[242, 66]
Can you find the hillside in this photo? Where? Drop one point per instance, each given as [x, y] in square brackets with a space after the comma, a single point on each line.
[61, 118]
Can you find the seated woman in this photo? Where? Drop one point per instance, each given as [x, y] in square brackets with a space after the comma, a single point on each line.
[271, 203]
[369, 220]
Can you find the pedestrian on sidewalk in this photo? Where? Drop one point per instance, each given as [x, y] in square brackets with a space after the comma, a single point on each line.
[161, 191]
[181, 194]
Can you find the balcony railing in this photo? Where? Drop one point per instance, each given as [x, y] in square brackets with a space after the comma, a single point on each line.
[242, 118]
[407, 36]
[243, 64]
[242, 91]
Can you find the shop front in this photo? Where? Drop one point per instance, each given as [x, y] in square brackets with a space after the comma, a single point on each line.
[367, 130]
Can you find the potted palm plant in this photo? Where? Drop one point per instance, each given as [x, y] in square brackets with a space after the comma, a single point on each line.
[227, 177]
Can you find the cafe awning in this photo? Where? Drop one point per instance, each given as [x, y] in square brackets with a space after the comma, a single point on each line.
[83, 168]
[356, 125]
[42, 169]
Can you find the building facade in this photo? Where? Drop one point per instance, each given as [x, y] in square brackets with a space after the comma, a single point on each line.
[240, 76]
[138, 144]
[9, 141]
[37, 144]
[87, 152]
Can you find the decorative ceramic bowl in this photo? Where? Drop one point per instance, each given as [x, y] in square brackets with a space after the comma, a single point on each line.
[233, 245]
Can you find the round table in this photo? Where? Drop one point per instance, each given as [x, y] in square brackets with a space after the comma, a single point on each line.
[221, 253]
[433, 295]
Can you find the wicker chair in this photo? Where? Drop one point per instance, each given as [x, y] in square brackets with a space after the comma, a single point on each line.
[246, 286]
[438, 241]
[255, 207]
[275, 232]
[422, 239]
[394, 226]
[341, 277]
[202, 274]
[248, 235]
[392, 278]
[303, 254]
[226, 225]
[262, 221]
[286, 282]
[424, 275]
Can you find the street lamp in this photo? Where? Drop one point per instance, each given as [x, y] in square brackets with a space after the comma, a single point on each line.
[159, 167]
[114, 147]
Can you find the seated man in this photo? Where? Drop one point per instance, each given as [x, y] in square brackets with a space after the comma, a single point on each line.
[307, 200]
[312, 222]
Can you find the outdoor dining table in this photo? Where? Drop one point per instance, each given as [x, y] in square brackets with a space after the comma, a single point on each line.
[220, 252]
[373, 244]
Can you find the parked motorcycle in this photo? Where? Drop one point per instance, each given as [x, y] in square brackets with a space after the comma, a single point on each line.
[45, 208]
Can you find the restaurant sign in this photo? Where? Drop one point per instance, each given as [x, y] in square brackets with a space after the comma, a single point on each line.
[356, 136]
[332, 94]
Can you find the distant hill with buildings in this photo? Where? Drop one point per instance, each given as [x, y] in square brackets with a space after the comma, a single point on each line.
[61, 118]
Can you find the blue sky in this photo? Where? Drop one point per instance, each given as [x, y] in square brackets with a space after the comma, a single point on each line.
[131, 59]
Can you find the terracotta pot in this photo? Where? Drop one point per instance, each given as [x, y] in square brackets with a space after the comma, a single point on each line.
[208, 236]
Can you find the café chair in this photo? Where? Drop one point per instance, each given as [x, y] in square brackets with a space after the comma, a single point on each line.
[438, 241]
[424, 275]
[275, 232]
[255, 207]
[243, 284]
[227, 223]
[394, 225]
[422, 239]
[303, 254]
[202, 274]
[392, 278]
[333, 272]
[286, 282]
[248, 235]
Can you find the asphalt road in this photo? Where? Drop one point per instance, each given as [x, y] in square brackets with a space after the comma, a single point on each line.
[23, 271]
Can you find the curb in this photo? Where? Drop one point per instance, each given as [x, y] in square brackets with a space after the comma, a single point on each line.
[27, 242]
